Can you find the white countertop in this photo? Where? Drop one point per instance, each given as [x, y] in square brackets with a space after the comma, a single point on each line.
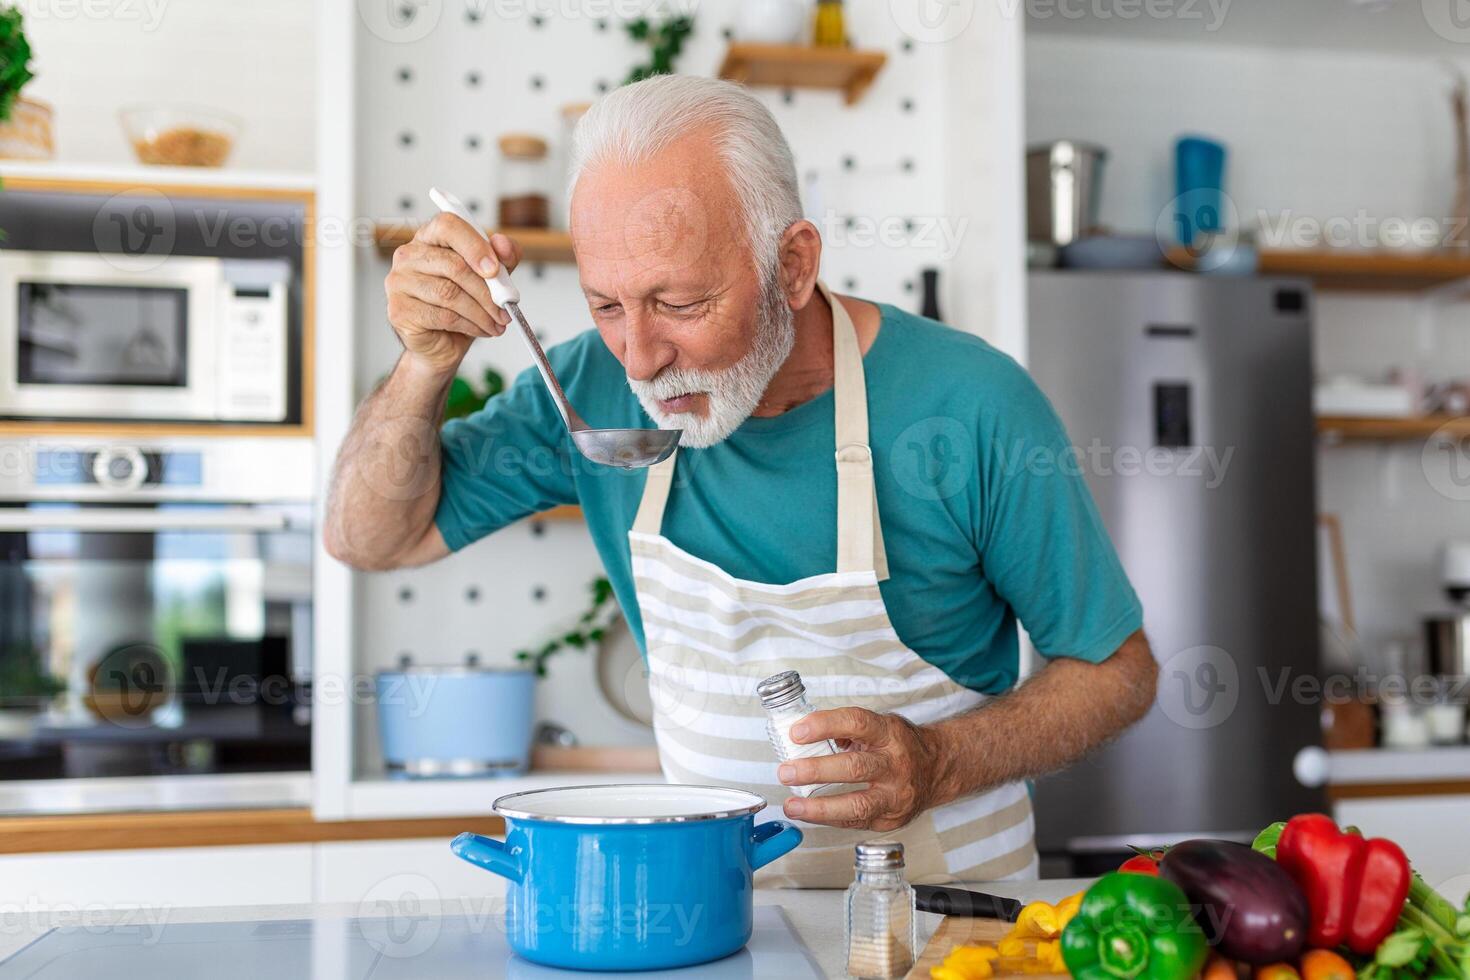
[817, 916]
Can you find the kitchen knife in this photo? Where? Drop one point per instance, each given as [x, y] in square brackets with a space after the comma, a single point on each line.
[957, 901]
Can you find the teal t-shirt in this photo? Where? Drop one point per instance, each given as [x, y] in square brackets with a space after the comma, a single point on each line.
[985, 515]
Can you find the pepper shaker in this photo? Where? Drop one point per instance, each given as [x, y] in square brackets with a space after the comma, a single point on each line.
[880, 914]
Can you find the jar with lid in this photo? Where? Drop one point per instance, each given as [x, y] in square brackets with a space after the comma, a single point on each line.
[783, 696]
[524, 198]
[880, 914]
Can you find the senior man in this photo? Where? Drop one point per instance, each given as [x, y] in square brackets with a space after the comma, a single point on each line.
[857, 495]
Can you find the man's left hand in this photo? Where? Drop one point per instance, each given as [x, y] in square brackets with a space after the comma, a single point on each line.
[898, 760]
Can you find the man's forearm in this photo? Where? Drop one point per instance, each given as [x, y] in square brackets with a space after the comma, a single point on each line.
[1056, 717]
[385, 486]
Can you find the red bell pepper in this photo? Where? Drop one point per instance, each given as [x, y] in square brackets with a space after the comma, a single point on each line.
[1355, 888]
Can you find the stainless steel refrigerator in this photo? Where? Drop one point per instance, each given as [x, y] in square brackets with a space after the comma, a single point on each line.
[1188, 401]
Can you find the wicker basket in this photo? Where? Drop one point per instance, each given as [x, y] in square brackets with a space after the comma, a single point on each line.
[26, 135]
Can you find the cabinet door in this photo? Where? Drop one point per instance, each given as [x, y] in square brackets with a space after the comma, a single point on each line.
[370, 873]
[1430, 829]
[172, 877]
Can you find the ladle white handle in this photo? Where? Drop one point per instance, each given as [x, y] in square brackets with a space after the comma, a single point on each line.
[502, 289]
[508, 297]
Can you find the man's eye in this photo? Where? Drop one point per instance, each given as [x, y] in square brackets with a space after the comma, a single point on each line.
[681, 308]
[607, 308]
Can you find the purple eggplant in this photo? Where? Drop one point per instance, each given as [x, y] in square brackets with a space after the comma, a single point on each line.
[1249, 908]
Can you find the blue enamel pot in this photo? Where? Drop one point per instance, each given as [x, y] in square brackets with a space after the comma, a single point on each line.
[630, 877]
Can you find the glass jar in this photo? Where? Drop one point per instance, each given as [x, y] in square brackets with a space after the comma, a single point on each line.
[880, 914]
[783, 696]
[524, 182]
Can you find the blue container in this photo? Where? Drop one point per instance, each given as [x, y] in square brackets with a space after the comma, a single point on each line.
[631, 877]
[456, 721]
[1199, 184]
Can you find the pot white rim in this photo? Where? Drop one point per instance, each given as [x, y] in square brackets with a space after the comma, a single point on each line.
[511, 806]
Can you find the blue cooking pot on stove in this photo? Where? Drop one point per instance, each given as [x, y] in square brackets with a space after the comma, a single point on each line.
[629, 877]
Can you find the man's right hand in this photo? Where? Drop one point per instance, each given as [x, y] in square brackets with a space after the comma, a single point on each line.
[438, 302]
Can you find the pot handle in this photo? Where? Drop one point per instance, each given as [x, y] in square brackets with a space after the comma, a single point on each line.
[488, 853]
[771, 840]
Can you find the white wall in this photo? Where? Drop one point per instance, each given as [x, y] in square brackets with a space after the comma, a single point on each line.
[252, 58]
[1321, 134]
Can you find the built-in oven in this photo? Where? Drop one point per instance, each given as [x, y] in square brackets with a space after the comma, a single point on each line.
[155, 607]
[179, 338]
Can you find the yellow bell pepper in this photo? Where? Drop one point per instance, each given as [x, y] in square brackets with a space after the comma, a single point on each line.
[944, 972]
[1011, 948]
[971, 954]
[961, 969]
[1050, 954]
[1038, 921]
[1067, 909]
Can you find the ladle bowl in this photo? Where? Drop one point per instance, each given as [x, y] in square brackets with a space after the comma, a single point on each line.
[625, 448]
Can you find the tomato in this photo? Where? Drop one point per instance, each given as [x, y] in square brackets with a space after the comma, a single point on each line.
[1140, 864]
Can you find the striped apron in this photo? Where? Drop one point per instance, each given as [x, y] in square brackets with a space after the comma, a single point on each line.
[711, 638]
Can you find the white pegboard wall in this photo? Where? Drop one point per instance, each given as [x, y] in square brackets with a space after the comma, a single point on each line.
[430, 111]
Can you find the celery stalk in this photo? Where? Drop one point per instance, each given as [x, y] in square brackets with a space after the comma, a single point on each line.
[1451, 919]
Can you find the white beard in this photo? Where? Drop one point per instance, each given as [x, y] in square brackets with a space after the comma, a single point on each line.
[731, 394]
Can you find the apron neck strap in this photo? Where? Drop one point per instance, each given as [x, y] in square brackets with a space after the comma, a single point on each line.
[859, 536]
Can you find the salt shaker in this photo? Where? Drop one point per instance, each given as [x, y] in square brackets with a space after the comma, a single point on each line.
[783, 696]
[880, 914]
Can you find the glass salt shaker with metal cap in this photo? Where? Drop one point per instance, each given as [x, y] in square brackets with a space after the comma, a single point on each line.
[783, 696]
[880, 914]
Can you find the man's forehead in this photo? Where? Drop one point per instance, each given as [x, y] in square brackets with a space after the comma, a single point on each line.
[675, 207]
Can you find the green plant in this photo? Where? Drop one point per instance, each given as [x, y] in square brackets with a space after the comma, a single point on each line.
[464, 399]
[15, 58]
[591, 627]
[23, 679]
[665, 39]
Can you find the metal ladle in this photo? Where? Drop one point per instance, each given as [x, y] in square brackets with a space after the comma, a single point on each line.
[625, 448]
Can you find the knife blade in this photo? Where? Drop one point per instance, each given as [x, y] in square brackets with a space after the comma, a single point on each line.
[943, 900]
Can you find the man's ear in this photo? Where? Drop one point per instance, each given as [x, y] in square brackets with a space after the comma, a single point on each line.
[800, 258]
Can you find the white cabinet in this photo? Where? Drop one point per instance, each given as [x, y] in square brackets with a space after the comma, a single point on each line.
[360, 873]
[156, 878]
[395, 871]
[1430, 829]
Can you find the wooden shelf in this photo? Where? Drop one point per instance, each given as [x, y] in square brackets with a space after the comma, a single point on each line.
[1346, 270]
[566, 512]
[798, 66]
[1344, 427]
[537, 244]
[143, 176]
[595, 758]
[217, 828]
[1363, 271]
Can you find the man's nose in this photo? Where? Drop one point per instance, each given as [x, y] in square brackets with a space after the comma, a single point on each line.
[645, 354]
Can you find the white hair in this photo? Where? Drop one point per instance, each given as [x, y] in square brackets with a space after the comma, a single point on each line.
[633, 123]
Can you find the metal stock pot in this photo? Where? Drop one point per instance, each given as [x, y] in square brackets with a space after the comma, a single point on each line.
[629, 877]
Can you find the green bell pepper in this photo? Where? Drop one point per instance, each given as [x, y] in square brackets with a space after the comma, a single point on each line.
[1133, 926]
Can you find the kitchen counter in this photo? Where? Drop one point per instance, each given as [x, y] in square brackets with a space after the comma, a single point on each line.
[816, 915]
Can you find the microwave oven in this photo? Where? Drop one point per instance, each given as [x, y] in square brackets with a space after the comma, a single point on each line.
[188, 338]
